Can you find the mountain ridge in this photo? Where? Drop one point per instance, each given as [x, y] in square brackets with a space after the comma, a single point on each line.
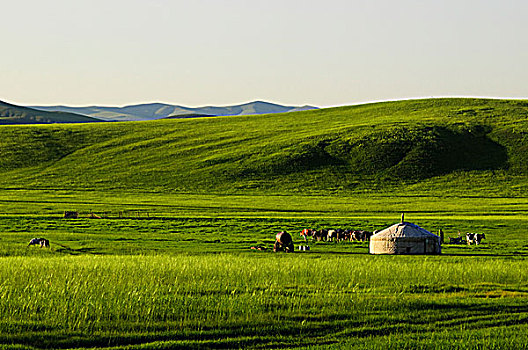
[11, 114]
[158, 110]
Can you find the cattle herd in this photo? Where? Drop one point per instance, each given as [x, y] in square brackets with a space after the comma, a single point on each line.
[284, 241]
[336, 235]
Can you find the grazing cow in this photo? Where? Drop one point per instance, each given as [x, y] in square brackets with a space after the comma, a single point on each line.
[319, 234]
[34, 241]
[341, 234]
[284, 242]
[347, 235]
[42, 242]
[479, 237]
[470, 238]
[331, 235]
[361, 235]
[305, 233]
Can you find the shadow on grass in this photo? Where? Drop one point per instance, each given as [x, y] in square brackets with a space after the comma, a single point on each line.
[292, 331]
[224, 338]
[67, 250]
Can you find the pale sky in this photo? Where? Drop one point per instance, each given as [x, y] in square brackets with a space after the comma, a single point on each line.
[295, 52]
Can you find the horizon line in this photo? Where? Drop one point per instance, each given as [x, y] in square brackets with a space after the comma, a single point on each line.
[276, 103]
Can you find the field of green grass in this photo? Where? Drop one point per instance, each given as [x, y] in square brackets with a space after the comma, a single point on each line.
[176, 269]
[194, 282]
[475, 147]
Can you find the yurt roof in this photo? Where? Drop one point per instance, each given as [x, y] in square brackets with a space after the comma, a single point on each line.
[404, 230]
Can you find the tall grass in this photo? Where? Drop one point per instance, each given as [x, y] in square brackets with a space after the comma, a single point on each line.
[258, 295]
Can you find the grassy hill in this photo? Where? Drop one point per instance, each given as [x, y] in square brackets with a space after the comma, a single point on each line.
[443, 146]
[12, 114]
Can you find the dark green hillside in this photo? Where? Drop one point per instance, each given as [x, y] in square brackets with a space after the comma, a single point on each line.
[463, 145]
[12, 114]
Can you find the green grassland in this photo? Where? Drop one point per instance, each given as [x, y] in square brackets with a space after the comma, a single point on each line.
[264, 301]
[473, 146]
[176, 270]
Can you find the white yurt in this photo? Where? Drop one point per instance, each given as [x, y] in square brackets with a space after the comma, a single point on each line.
[404, 238]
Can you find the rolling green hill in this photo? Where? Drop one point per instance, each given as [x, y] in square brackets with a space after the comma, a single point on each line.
[12, 114]
[443, 146]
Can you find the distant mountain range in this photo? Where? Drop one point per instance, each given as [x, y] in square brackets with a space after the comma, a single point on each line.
[152, 111]
[12, 114]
